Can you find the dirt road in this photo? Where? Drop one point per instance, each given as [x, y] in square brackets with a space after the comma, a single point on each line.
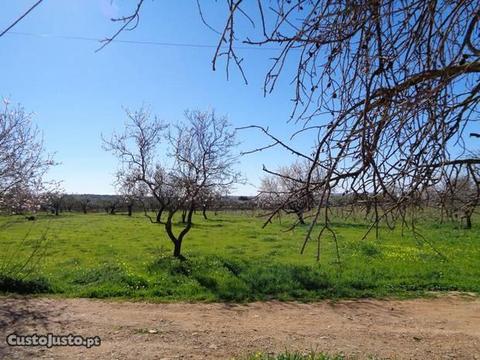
[441, 328]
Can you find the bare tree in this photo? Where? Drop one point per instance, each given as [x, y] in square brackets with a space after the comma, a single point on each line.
[204, 163]
[459, 197]
[128, 192]
[286, 192]
[54, 199]
[111, 205]
[208, 199]
[84, 203]
[202, 160]
[70, 202]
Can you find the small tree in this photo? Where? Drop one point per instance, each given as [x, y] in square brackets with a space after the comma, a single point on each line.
[202, 161]
[459, 197]
[70, 202]
[111, 205]
[55, 199]
[84, 202]
[204, 164]
[208, 199]
[284, 190]
[127, 191]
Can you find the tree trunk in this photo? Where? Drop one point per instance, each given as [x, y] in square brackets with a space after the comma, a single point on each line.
[177, 240]
[184, 215]
[159, 215]
[129, 207]
[56, 210]
[204, 212]
[177, 250]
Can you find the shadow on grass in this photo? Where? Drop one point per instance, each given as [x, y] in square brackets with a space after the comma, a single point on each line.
[23, 286]
[231, 280]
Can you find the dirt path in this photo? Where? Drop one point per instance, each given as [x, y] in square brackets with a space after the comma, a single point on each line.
[442, 328]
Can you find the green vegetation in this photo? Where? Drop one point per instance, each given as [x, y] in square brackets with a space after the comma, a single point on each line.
[231, 258]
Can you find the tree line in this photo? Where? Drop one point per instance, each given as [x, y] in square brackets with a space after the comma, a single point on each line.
[171, 171]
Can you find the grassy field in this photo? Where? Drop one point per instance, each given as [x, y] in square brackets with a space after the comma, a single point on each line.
[231, 258]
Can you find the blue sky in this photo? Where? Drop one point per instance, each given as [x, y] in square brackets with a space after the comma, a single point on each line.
[77, 94]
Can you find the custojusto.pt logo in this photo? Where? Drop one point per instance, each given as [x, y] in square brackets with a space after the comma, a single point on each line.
[50, 340]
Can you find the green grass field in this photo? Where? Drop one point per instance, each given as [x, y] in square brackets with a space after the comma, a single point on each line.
[231, 258]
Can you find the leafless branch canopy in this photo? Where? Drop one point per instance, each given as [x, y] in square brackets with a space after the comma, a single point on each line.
[390, 87]
[128, 23]
[181, 166]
